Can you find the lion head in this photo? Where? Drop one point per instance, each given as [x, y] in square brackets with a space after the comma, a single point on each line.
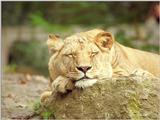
[82, 57]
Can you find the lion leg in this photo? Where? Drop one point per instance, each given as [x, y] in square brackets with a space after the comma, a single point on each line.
[62, 84]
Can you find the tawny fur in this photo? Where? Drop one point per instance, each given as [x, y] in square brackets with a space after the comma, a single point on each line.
[98, 49]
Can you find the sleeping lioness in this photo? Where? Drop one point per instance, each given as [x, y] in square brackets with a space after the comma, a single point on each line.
[84, 58]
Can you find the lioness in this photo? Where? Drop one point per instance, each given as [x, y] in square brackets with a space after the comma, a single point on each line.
[83, 58]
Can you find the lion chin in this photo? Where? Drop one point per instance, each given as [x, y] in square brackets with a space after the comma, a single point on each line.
[84, 83]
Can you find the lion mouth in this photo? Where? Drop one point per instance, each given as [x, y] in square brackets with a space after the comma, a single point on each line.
[85, 82]
[85, 77]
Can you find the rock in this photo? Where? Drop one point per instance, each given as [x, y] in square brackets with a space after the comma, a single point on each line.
[117, 98]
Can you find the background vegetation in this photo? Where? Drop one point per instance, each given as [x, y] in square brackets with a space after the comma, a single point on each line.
[65, 18]
[70, 13]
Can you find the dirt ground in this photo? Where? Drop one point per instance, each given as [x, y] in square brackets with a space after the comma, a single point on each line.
[19, 94]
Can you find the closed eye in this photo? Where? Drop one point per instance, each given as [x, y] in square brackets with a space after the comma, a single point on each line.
[68, 55]
[94, 53]
[71, 55]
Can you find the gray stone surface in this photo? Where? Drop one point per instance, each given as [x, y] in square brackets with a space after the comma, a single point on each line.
[119, 98]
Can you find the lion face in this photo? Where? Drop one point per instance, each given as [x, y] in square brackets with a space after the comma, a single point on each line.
[84, 57]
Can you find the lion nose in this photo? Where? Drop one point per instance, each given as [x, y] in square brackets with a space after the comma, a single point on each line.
[84, 68]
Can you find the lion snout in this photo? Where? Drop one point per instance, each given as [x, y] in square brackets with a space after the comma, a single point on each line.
[83, 69]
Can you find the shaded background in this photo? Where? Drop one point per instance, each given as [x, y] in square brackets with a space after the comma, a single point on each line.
[26, 25]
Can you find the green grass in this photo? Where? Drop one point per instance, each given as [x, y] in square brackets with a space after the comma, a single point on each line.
[43, 111]
[37, 106]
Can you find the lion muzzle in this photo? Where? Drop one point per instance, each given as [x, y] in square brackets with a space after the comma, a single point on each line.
[84, 83]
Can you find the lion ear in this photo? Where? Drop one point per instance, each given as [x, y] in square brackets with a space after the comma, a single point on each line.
[54, 43]
[104, 40]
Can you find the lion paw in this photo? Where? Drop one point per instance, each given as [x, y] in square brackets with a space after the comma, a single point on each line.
[62, 84]
[142, 73]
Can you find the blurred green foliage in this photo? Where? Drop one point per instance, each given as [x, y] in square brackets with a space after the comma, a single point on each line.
[79, 13]
[151, 48]
[36, 19]
[123, 39]
[11, 68]
[30, 53]
[130, 42]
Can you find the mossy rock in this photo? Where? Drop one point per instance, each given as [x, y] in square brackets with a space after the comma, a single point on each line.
[117, 98]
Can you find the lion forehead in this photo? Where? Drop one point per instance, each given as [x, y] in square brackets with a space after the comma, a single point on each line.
[79, 42]
[77, 38]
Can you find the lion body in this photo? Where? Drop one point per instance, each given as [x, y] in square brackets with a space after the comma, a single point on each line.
[131, 59]
[105, 56]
